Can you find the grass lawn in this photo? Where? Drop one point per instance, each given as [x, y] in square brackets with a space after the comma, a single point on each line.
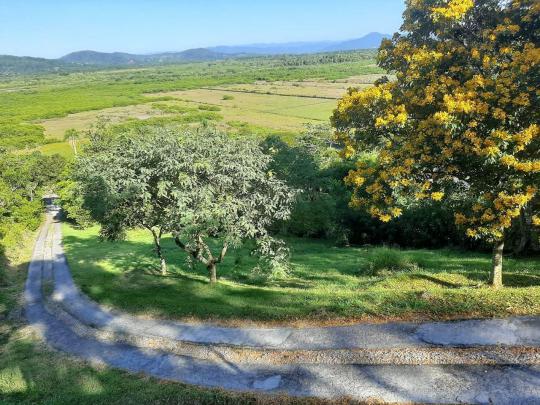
[327, 284]
[32, 374]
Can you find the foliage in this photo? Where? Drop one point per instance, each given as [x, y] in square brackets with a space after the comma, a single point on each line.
[321, 210]
[206, 107]
[460, 123]
[309, 165]
[384, 259]
[23, 179]
[197, 185]
[72, 202]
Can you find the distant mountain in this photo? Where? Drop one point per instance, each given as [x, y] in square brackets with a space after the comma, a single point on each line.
[27, 65]
[274, 49]
[123, 59]
[100, 58]
[190, 55]
[369, 41]
[92, 60]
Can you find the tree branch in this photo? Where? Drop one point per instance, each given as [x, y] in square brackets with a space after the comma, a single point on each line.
[223, 252]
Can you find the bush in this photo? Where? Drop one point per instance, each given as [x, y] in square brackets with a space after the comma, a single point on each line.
[72, 204]
[384, 259]
[207, 107]
[322, 209]
[228, 97]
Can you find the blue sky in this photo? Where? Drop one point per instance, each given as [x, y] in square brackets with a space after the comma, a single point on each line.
[52, 28]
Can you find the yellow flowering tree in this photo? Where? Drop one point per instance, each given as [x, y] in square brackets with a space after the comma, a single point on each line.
[459, 123]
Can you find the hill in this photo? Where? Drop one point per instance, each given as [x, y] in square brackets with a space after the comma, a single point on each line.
[92, 60]
[126, 59]
[100, 58]
[28, 65]
[369, 41]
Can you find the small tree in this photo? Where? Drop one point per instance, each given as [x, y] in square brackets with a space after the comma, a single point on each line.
[127, 182]
[460, 122]
[229, 195]
[72, 136]
[196, 185]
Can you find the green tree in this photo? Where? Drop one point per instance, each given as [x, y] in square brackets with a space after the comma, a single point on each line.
[23, 179]
[72, 202]
[460, 123]
[196, 185]
[72, 136]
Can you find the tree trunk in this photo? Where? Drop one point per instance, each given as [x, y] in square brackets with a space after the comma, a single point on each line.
[212, 272]
[163, 265]
[524, 233]
[159, 252]
[496, 270]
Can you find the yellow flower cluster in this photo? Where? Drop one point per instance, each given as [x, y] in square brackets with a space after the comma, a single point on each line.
[461, 102]
[490, 222]
[493, 214]
[458, 110]
[528, 166]
[442, 116]
[366, 97]
[454, 10]
[395, 116]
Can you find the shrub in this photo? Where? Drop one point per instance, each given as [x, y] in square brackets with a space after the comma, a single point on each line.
[228, 97]
[386, 260]
[207, 107]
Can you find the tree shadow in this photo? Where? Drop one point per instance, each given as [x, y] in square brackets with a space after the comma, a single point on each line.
[126, 275]
[521, 280]
[435, 280]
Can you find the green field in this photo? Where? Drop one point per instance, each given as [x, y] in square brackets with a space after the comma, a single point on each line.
[327, 284]
[32, 105]
[30, 373]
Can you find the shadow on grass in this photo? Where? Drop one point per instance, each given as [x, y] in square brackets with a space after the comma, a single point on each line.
[435, 280]
[325, 283]
[521, 280]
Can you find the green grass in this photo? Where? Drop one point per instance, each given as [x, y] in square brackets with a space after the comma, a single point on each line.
[277, 112]
[32, 374]
[326, 284]
[31, 99]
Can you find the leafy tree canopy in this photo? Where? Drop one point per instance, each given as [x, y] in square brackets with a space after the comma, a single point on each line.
[195, 184]
[461, 120]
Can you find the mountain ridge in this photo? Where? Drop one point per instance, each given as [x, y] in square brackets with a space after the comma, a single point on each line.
[368, 41]
[90, 59]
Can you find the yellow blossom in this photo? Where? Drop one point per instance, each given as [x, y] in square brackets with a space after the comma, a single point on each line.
[454, 10]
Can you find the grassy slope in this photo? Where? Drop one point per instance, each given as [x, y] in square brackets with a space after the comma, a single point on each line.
[31, 374]
[327, 283]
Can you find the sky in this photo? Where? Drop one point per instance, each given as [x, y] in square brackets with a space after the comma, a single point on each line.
[52, 28]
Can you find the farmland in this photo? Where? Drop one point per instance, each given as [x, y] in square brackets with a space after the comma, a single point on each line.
[38, 109]
[281, 106]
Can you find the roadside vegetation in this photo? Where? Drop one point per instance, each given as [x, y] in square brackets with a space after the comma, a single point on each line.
[223, 191]
[325, 284]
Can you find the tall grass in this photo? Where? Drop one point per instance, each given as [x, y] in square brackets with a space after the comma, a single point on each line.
[382, 260]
